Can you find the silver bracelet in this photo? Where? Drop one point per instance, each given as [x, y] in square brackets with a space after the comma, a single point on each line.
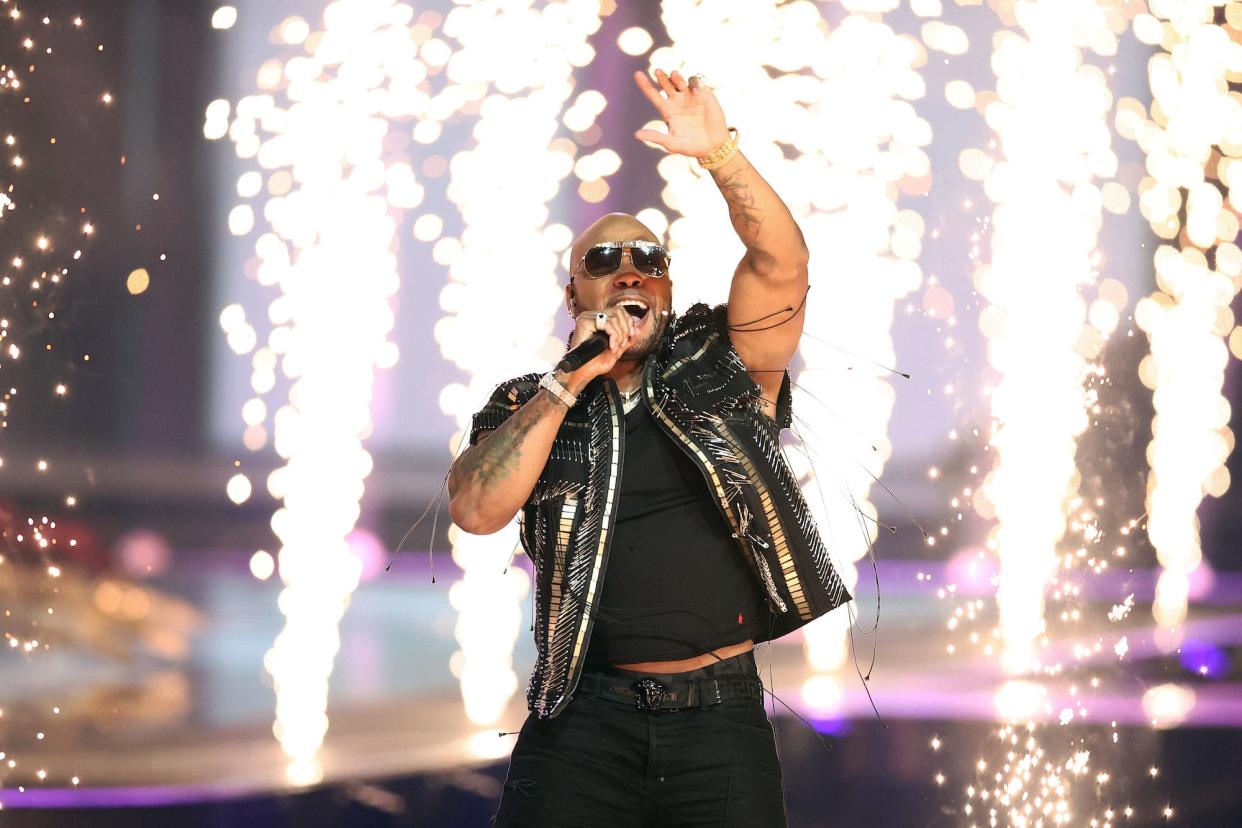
[550, 382]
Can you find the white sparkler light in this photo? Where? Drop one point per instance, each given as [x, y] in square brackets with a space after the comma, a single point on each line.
[504, 288]
[1044, 230]
[331, 223]
[843, 187]
[1168, 705]
[224, 17]
[1193, 141]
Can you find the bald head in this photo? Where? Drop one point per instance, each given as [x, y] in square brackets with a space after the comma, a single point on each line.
[612, 227]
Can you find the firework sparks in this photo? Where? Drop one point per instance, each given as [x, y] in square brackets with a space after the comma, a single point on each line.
[335, 200]
[504, 268]
[40, 256]
[1191, 140]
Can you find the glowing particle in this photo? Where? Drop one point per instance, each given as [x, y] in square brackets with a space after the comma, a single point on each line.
[224, 17]
[241, 220]
[238, 489]
[138, 281]
[262, 565]
[428, 227]
[635, 41]
[294, 30]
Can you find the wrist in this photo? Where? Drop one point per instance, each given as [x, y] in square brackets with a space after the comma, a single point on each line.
[550, 383]
[572, 381]
[722, 154]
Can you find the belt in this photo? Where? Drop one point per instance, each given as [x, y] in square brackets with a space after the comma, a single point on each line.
[652, 695]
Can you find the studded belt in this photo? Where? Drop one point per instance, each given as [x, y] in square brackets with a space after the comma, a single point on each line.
[653, 695]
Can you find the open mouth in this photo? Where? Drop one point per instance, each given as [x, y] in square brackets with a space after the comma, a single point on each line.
[635, 308]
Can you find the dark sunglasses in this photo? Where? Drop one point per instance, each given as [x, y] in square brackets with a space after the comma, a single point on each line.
[604, 259]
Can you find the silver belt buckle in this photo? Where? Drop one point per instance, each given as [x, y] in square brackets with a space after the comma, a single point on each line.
[648, 693]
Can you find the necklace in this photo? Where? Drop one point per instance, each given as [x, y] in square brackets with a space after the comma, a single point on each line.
[629, 399]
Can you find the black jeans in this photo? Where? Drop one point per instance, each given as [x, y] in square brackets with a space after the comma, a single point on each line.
[606, 763]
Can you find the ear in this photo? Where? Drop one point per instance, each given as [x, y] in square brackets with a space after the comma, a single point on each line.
[571, 299]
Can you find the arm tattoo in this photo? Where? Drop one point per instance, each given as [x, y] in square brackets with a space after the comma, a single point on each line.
[746, 217]
[494, 460]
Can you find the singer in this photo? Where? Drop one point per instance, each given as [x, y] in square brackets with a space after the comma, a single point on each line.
[667, 532]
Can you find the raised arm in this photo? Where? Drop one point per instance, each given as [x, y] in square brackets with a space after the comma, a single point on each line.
[772, 274]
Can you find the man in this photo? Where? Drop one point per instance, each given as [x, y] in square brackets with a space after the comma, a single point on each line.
[667, 532]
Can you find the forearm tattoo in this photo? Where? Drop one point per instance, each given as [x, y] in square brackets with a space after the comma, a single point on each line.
[493, 461]
[747, 218]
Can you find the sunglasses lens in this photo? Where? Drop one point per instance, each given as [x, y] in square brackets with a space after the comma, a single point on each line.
[601, 261]
[651, 261]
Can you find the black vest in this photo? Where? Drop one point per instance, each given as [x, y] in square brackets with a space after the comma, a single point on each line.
[699, 392]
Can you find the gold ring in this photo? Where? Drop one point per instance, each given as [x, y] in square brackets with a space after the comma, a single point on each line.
[696, 80]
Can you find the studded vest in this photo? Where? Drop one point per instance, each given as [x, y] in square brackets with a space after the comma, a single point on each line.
[699, 393]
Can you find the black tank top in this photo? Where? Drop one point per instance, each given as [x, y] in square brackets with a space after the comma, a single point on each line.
[676, 585]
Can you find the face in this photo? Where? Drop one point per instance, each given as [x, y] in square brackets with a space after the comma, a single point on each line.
[627, 290]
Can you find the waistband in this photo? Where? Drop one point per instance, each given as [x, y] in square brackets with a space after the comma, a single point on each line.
[730, 678]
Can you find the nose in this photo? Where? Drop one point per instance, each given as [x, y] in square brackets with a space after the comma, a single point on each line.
[627, 278]
[627, 275]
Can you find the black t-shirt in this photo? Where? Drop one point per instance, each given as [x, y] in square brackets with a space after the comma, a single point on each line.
[677, 584]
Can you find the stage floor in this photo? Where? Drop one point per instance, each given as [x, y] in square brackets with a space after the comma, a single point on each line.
[152, 731]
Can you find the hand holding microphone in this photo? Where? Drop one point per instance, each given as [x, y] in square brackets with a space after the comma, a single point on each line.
[598, 341]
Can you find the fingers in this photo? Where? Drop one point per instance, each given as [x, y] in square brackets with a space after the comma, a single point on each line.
[678, 81]
[660, 139]
[649, 90]
[665, 83]
[584, 327]
[620, 329]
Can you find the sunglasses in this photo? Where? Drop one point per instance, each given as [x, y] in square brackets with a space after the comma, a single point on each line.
[604, 259]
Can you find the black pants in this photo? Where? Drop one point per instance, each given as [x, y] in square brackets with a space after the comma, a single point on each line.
[605, 763]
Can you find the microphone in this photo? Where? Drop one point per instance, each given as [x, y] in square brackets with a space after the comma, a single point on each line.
[587, 350]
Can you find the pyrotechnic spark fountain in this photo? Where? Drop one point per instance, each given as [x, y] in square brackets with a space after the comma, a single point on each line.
[503, 269]
[317, 136]
[1035, 321]
[1041, 346]
[1193, 142]
[844, 187]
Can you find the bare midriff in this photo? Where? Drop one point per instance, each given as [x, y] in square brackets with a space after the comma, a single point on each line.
[685, 665]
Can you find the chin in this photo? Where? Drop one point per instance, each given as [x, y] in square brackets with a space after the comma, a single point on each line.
[644, 348]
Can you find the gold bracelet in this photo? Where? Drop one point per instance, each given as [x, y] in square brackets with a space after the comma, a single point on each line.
[721, 156]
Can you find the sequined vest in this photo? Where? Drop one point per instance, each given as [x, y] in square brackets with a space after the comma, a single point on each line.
[699, 393]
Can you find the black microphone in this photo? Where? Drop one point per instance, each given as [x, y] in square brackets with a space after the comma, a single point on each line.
[587, 350]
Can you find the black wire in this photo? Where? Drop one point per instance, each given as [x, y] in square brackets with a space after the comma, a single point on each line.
[888, 368]
[849, 610]
[792, 311]
[435, 502]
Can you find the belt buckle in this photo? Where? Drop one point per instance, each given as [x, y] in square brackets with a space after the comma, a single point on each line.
[648, 693]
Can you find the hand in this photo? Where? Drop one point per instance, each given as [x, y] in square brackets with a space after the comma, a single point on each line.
[696, 123]
[620, 330]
